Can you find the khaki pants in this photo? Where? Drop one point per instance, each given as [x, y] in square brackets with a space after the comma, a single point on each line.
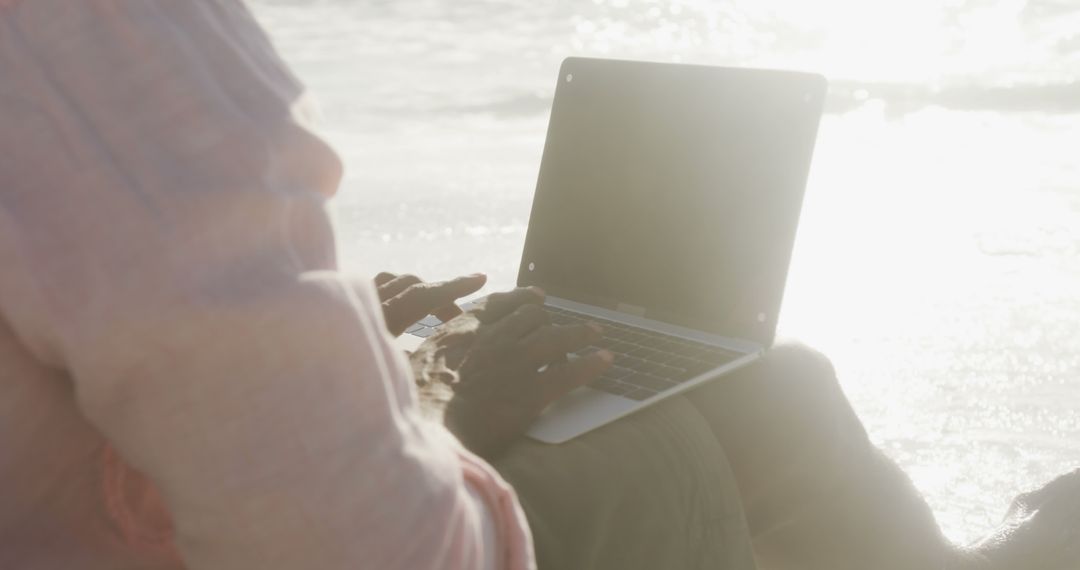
[652, 491]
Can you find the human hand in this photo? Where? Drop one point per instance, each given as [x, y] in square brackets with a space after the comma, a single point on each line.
[505, 364]
[406, 298]
[1041, 530]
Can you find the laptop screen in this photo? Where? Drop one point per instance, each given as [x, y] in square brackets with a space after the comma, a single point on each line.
[673, 192]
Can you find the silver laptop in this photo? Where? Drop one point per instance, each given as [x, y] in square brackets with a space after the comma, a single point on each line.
[666, 210]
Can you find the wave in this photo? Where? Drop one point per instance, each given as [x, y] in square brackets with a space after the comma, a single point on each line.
[1048, 98]
[844, 96]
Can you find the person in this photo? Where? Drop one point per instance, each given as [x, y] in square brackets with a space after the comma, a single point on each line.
[813, 491]
[187, 379]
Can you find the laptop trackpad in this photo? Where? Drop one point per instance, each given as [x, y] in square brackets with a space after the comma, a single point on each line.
[579, 411]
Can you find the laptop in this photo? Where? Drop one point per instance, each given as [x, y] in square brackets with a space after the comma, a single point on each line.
[666, 210]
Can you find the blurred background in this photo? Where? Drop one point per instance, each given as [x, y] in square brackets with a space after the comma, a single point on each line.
[936, 262]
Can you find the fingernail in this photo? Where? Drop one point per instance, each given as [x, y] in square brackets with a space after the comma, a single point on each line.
[477, 275]
[606, 356]
[537, 291]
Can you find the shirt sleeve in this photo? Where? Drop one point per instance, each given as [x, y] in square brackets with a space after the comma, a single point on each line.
[164, 239]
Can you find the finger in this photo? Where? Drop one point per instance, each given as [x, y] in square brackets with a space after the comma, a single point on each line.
[523, 321]
[383, 278]
[498, 305]
[397, 286]
[551, 343]
[557, 381]
[470, 284]
[421, 299]
[448, 312]
[440, 296]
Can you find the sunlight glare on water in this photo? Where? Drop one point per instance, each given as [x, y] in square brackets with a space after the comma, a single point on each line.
[937, 262]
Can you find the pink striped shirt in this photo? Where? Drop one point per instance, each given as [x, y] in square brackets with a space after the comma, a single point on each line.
[186, 380]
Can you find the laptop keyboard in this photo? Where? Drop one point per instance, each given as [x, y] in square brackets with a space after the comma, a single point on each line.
[425, 327]
[646, 362]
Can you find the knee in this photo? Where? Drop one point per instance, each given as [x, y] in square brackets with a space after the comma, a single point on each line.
[795, 354]
[801, 386]
[802, 372]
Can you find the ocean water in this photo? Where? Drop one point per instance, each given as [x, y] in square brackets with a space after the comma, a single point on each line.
[937, 260]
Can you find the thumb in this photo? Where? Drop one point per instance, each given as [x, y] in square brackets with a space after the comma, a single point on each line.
[558, 381]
